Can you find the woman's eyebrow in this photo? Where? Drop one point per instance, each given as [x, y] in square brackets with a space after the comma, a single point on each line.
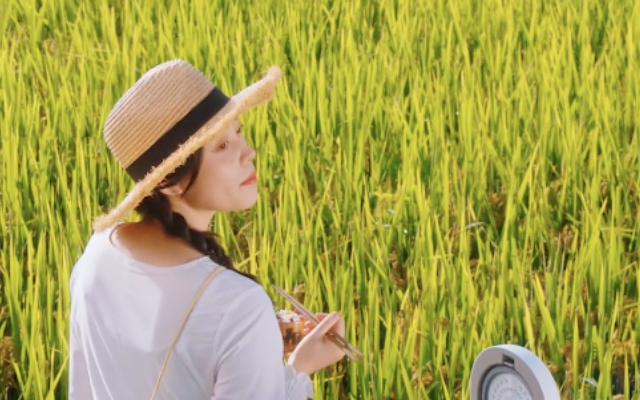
[225, 136]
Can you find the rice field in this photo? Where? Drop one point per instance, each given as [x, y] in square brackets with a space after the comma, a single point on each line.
[449, 175]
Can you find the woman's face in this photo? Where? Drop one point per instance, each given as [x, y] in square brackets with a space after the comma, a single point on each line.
[226, 178]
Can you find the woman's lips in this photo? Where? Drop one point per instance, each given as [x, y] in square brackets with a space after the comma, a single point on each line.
[251, 179]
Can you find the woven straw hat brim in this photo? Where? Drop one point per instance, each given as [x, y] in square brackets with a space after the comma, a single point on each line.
[250, 97]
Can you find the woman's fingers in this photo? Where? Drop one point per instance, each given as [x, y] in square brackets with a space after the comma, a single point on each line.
[308, 325]
[319, 316]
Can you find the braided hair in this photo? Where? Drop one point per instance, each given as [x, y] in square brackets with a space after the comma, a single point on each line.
[157, 206]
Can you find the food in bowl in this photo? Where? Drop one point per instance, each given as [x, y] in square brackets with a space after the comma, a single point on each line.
[292, 328]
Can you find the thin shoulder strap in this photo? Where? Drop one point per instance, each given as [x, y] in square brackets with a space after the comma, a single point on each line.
[175, 338]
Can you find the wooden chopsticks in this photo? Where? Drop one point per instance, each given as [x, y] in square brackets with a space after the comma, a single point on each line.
[351, 352]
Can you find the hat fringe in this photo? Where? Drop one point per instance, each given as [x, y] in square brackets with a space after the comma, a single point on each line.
[260, 92]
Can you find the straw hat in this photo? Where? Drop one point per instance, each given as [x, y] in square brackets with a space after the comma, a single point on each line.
[167, 115]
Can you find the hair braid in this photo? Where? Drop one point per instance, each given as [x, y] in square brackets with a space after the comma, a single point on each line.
[174, 224]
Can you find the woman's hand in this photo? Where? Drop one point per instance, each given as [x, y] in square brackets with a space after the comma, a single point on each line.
[316, 351]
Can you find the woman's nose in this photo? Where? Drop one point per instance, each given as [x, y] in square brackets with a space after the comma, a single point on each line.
[249, 155]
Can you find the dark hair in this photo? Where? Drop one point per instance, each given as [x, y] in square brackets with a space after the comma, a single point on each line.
[156, 206]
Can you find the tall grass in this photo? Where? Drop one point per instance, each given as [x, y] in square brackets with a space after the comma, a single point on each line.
[449, 175]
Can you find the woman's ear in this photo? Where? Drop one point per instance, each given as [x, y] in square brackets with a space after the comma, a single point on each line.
[172, 191]
[175, 190]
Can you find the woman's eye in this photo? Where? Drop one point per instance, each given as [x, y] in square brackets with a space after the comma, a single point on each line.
[224, 145]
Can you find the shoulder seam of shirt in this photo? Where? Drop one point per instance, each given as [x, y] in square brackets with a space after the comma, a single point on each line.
[241, 296]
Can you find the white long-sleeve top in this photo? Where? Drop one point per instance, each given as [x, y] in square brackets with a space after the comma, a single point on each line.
[124, 315]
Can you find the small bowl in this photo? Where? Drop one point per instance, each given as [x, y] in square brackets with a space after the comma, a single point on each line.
[292, 329]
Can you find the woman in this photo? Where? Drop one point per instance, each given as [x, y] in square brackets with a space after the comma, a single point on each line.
[133, 335]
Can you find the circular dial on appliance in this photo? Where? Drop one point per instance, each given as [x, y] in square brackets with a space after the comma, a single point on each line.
[503, 383]
[511, 372]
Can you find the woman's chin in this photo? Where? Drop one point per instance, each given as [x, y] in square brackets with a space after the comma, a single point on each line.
[247, 201]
